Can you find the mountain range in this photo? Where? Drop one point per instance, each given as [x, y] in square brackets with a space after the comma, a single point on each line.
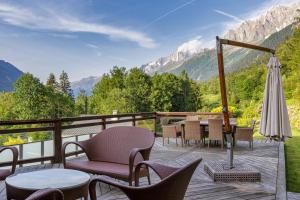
[200, 63]
[86, 84]
[8, 75]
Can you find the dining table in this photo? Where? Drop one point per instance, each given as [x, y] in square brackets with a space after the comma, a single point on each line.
[204, 125]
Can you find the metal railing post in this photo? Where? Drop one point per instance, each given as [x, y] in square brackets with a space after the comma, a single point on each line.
[155, 123]
[133, 120]
[21, 153]
[42, 150]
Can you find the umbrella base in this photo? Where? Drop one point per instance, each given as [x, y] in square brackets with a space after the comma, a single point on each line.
[220, 172]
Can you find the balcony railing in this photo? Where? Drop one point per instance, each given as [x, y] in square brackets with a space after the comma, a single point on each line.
[75, 129]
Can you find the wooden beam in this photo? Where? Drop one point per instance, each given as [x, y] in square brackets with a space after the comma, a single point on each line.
[223, 86]
[245, 45]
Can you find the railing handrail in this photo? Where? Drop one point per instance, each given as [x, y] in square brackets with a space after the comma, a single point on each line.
[68, 119]
[183, 114]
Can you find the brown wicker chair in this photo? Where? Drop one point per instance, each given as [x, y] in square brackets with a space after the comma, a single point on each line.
[215, 131]
[245, 134]
[171, 131]
[173, 184]
[193, 131]
[114, 152]
[6, 172]
[46, 194]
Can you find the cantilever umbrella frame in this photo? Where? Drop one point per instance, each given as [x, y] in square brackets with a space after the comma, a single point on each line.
[228, 129]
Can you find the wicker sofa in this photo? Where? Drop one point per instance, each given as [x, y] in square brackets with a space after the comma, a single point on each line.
[114, 152]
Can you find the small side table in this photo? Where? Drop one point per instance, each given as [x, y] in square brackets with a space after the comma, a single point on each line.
[74, 184]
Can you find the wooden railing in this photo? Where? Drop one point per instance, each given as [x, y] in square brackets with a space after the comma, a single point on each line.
[58, 126]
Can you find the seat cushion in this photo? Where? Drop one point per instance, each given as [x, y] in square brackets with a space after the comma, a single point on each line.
[4, 173]
[101, 168]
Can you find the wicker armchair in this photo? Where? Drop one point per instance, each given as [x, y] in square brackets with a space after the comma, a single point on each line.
[173, 184]
[6, 172]
[114, 152]
[46, 194]
[171, 131]
[215, 131]
[193, 131]
[245, 134]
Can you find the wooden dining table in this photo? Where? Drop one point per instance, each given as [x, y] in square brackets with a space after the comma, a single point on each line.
[204, 124]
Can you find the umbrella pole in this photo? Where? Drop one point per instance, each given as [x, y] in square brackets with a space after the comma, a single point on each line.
[225, 111]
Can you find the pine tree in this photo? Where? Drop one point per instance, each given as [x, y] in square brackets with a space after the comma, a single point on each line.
[64, 83]
[51, 81]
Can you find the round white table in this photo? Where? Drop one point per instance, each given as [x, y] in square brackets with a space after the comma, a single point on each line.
[74, 184]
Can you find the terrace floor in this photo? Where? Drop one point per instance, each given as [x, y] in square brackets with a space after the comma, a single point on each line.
[264, 157]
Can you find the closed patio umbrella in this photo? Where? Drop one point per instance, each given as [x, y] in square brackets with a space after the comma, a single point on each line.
[274, 121]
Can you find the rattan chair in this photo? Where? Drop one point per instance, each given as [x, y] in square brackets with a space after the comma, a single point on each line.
[6, 172]
[245, 134]
[215, 131]
[193, 131]
[46, 194]
[171, 131]
[173, 184]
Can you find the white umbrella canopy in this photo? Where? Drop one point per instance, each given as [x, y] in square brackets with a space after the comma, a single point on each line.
[274, 117]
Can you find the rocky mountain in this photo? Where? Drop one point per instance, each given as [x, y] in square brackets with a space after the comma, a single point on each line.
[8, 75]
[200, 63]
[86, 84]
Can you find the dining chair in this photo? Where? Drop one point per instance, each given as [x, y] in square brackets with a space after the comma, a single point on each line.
[245, 134]
[193, 131]
[215, 131]
[171, 131]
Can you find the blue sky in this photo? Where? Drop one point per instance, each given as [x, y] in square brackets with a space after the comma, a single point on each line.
[88, 37]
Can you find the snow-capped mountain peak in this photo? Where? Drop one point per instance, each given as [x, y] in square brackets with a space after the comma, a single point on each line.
[253, 30]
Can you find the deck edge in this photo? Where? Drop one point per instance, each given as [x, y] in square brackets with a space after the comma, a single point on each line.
[281, 193]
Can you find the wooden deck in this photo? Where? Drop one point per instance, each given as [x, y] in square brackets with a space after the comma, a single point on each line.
[264, 157]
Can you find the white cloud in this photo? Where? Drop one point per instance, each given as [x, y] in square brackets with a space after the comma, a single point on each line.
[50, 20]
[92, 46]
[235, 18]
[193, 46]
[60, 35]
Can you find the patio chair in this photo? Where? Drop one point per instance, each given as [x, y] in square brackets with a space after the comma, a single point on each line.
[46, 194]
[245, 134]
[215, 131]
[173, 184]
[193, 131]
[6, 172]
[171, 131]
[114, 152]
[192, 117]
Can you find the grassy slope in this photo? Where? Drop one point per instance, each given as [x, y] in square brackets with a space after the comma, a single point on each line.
[292, 153]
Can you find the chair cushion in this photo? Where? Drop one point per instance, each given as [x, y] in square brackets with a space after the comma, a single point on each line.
[4, 173]
[101, 168]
